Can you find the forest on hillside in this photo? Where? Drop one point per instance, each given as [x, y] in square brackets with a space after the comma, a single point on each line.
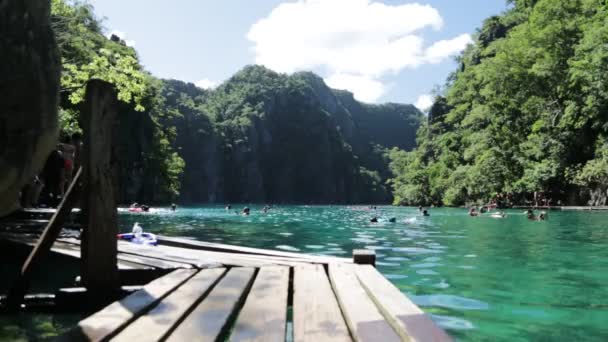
[525, 112]
[261, 136]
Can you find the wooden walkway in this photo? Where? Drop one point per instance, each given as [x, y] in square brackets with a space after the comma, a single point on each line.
[348, 302]
[218, 292]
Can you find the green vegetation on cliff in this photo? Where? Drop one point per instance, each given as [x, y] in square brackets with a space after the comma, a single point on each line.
[526, 111]
[261, 136]
[267, 137]
[144, 144]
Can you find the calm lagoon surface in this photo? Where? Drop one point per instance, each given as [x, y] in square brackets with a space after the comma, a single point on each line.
[480, 278]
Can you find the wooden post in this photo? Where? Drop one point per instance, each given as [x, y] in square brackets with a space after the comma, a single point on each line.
[99, 245]
[42, 248]
[364, 257]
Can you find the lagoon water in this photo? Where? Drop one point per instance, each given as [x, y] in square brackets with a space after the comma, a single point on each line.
[480, 278]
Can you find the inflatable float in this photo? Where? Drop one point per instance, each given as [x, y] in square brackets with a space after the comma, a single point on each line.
[142, 239]
[138, 236]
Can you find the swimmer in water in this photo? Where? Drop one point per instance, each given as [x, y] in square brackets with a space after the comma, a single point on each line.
[373, 220]
[425, 213]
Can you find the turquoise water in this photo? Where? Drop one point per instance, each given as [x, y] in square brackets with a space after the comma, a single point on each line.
[482, 279]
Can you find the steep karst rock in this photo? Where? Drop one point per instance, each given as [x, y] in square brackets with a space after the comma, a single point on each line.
[29, 84]
[269, 137]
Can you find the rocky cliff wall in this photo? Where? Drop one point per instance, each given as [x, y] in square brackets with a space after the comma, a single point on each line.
[29, 87]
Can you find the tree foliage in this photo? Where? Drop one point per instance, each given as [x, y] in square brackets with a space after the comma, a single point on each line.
[145, 143]
[526, 111]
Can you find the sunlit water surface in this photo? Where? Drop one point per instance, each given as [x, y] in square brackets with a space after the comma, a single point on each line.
[480, 278]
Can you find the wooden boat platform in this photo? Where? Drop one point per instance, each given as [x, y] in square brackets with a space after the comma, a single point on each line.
[216, 292]
[346, 302]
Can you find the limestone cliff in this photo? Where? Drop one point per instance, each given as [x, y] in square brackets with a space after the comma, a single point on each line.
[269, 137]
[29, 86]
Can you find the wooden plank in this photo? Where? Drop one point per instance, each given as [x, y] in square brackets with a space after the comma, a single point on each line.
[99, 166]
[201, 258]
[219, 247]
[316, 314]
[364, 320]
[156, 323]
[209, 320]
[134, 259]
[42, 248]
[150, 255]
[264, 315]
[404, 316]
[105, 323]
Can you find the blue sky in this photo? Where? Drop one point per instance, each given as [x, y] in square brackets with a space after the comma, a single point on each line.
[386, 50]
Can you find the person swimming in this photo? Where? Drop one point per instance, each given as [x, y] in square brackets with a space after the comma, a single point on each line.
[392, 219]
[173, 206]
[530, 215]
[246, 211]
[473, 212]
[373, 219]
[425, 213]
[228, 207]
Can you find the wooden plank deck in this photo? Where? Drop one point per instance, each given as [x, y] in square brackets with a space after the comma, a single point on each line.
[223, 292]
[353, 303]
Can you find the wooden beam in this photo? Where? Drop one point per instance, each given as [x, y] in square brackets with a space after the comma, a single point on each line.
[98, 248]
[157, 322]
[42, 248]
[263, 317]
[408, 320]
[209, 320]
[316, 314]
[363, 318]
[104, 324]
[364, 257]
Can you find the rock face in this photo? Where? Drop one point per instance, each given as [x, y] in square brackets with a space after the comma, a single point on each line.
[29, 86]
[268, 137]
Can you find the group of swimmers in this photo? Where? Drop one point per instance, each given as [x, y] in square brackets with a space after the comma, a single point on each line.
[136, 207]
[246, 210]
[485, 209]
[423, 212]
[541, 217]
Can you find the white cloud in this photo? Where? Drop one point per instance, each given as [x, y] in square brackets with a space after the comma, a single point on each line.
[424, 102]
[205, 84]
[446, 48]
[364, 88]
[122, 36]
[354, 39]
